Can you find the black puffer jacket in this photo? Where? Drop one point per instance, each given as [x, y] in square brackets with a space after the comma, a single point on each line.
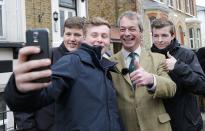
[188, 75]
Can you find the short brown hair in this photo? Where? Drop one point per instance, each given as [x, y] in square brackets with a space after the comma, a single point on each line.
[162, 22]
[95, 21]
[74, 22]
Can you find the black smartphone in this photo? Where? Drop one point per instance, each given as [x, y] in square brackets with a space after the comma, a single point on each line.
[40, 38]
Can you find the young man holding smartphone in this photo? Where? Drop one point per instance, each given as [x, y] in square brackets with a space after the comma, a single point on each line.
[43, 119]
[81, 85]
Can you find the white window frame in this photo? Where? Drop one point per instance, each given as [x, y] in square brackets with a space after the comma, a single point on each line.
[191, 39]
[191, 8]
[178, 4]
[171, 4]
[198, 37]
[2, 37]
[187, 6]
[159, 1]
[67, 13]
[67, 3]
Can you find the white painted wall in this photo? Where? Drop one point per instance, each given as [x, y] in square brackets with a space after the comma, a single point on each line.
[5, 54]
[201, 17]
[200, 2]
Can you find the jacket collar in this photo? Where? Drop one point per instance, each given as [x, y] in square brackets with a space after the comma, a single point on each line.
[92, 55]
[119, 58]
[62, 48]
[108, 65]
[171, 48]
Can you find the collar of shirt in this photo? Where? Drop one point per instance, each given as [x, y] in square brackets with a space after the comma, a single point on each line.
[126, 57]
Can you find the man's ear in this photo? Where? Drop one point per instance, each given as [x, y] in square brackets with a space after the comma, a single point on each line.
[173, 35]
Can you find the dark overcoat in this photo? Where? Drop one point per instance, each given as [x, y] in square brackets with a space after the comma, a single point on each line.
[189, 77]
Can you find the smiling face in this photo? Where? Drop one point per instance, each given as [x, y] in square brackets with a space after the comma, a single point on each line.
[72, 38]
[163, 32]
[130, 33]
[162, 37]
[98, 36]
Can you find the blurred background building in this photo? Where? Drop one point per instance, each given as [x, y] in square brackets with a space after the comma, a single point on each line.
[16, 16]
[200, 9]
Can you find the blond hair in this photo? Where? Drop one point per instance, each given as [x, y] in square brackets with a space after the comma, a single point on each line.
[95, 21]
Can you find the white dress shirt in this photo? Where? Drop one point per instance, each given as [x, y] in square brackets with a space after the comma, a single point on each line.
[127, 61]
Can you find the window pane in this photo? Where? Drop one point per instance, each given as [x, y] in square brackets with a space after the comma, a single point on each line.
[191, 7]
[191, 42]
[68, 3]
[2, 128]
[62, 19]
[191, 33]
[180, 4]
[171, 2]
[1, 24]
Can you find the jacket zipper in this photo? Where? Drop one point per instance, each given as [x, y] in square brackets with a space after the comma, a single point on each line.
[107, 94]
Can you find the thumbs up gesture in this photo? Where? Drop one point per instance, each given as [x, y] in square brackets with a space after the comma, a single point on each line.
[140, 76]
[137, 65]
[170, 62]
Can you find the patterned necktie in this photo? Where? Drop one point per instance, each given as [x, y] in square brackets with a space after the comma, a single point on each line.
[132, 66]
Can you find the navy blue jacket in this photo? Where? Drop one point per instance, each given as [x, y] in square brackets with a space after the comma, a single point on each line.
[43, 119]
[189, 77]
[83, 91]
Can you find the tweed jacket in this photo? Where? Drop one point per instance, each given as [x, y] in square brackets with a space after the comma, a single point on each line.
[140, 109]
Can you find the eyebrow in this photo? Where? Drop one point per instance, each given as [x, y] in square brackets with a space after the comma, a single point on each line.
[128, 26]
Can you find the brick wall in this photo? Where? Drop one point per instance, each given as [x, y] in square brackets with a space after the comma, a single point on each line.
[110, 9]
[38, 14]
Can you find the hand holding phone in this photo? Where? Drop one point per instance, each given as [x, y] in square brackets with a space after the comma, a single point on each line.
[39, 38]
